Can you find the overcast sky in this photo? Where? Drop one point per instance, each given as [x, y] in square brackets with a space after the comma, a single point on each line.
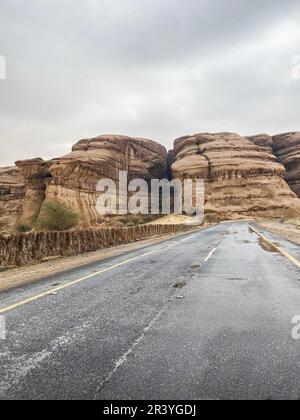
[158, 69]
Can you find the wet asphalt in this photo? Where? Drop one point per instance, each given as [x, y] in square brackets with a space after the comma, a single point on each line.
[207, 315]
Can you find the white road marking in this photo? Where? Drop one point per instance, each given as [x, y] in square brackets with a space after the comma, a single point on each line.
[72, 283]
[210, 255]
[277, 248]
[124, 357]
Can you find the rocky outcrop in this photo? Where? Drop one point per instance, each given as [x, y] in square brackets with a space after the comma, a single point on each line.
[287, 149]
[35, 173]
[262, 140]
[12, 191]
[72, 179]
[242, 179]
[243, 176]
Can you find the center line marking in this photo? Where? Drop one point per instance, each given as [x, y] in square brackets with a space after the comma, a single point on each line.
[72, 283]
[125, 356]
[210, 255]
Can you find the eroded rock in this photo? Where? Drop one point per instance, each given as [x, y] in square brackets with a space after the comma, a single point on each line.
[12, 192]
[262, 140]
[287, 149]
[72, 179]
[242, 179]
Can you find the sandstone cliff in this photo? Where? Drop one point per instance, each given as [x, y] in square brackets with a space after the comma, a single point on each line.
[242, 178]
[72, 179]
[35, 173]
[262, 140]
[12, 191]
[287, 149]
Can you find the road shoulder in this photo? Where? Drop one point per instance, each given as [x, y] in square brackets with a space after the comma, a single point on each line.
[278, 242]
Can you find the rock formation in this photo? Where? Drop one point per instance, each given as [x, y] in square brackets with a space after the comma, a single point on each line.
[72, 179]
[12, 191]
[243, 176]
[262, 140]
[242, 179]
[35, 174]
[287, 149]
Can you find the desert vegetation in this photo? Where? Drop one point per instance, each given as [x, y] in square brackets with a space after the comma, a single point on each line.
[56, 216]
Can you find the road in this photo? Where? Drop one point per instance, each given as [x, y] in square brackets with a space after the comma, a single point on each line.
[119, 329]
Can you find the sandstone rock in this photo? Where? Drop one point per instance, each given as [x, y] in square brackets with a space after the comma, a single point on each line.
[262, 140]
[242, 179]
[72, 179]
[243, 176]
[12, 191]
[35, 173]
[287, 149]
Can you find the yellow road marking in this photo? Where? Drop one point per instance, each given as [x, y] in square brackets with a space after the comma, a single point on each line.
[72, 283]
[280, 250]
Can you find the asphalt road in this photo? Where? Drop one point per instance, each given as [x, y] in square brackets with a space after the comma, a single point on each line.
[119, 329]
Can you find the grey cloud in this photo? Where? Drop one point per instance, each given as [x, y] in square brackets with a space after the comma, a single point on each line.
[152, 68]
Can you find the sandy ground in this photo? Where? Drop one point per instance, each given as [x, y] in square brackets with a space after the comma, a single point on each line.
[174, 219]
[24, 275]
[289, 231]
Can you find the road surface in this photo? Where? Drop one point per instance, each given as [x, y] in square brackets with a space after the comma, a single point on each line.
[119, 329]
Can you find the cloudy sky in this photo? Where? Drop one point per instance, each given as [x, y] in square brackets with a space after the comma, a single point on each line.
[153, 68]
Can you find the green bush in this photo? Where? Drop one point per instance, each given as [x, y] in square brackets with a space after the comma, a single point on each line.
[23, 228]
[56, 216]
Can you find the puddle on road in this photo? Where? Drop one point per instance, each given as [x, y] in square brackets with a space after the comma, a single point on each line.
[234, 232]
[266, 246]
[180, 285]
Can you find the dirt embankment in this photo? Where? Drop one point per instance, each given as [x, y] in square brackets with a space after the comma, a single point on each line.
[19, 276]
[22, 249]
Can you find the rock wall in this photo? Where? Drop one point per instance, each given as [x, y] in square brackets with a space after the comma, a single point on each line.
[242, 179]
[72, 179]
[24, 249]
[35, 172]
[12, 192]
[287, 149]
[244, 176]
[263, 140]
